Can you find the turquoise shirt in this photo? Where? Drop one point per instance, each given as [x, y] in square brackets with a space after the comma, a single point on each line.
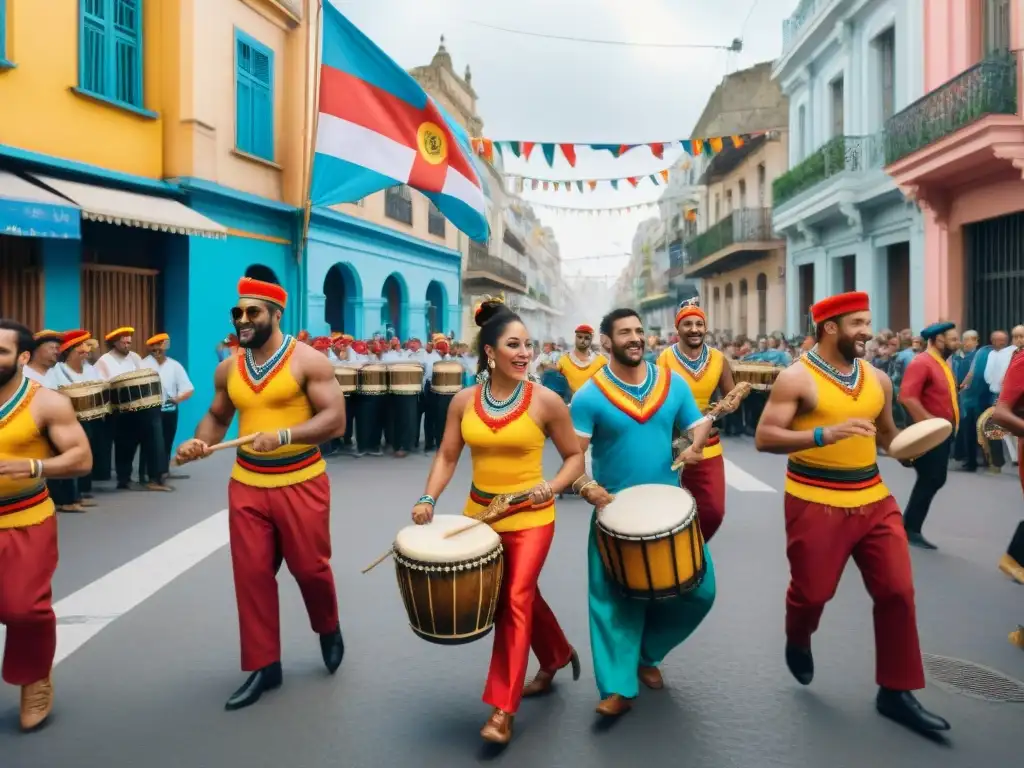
[624, 451]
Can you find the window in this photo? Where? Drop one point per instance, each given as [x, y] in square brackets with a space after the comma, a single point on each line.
[398, 204]
[744, 300]
[718, 207]
[728, 202]
[762, 185]
[996, 26]
[110, 50]
[836, 92]
[3, 30]
[254, 97]
[801, 134]
[743, 193]
[886, 43]
[762, 304]
[435, 220]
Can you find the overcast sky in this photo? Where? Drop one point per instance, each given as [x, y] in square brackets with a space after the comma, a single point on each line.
[534, 89]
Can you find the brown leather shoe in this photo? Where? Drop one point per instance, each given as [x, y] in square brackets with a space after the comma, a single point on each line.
[614, 706]
[1012, 568]
[36, 703]
[498, 729]
[542, 681]
[84, 502]
[651, 677]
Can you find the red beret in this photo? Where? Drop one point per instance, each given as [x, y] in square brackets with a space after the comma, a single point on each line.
[690, 310]
[584, 329]
[72, 339]
[321, 343]
[840, 304]
[249, 288]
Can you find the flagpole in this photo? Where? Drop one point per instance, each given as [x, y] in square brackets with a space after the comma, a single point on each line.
[311, 150]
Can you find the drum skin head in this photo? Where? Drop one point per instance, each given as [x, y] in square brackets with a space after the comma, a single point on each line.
[919, 438]
[648, 510]
[426, 543]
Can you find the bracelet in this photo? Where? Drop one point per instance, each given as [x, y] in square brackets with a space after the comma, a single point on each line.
[819, 437]
[427, 499]
[284, 436]
[585, 486]
[581, 482]
[35, 468]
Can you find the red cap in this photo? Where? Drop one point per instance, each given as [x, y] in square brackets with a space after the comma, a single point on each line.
[840, 304]
[585, 329]
[441, 347]
[321, 343]
[248, 288]
[359, 347]
[72, 339]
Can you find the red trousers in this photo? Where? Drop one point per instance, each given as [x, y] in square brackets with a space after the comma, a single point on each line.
[819, 542]
[268, 525]
[523, 621]
[28, 560]
[706, 481]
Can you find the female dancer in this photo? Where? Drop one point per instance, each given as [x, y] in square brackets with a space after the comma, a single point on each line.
[505, 421]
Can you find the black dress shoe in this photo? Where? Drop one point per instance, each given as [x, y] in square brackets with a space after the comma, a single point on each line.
[919, 541]
[800, 663]
[332, 648]
[905, 709]
[260, 681]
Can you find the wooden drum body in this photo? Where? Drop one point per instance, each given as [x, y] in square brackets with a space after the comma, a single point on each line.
[373, 379]
[405, 378]
[348, 378]
[450, 587]
[650, 542]
[760, 376]
[136, 391]
[446, 377]
[90, 399]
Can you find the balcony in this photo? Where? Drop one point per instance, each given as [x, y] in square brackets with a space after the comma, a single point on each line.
[485, 271]
[745, 235]
[807, 27]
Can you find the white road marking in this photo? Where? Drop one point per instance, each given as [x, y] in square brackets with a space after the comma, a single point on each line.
[84, 614]
[744, 481]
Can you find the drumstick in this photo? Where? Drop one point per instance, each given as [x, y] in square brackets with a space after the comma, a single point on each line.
[739, 392]
[379, 560]
[490, 515]
[226, 444]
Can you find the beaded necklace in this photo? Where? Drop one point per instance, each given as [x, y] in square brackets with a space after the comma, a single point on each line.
[500, 413]
[259, 375]
[637, 392]
[696, 368]
[850, 383]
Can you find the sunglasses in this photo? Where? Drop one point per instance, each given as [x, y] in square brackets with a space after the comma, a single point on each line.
[251, 313]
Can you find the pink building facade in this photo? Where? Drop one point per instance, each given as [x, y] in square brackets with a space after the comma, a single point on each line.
[959, 152]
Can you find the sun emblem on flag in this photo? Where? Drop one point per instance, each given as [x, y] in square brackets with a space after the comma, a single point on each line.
[432, 142]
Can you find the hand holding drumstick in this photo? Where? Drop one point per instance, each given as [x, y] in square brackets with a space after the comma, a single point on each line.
[682, 446]
[195, 449]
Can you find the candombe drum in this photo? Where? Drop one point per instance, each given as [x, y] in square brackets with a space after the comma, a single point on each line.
[650, 542]
[760, 376]
[90, 399]
[347, 377]
[446, 377]
[449, 586]
[136, 391]
[373, 379]
[405, 378]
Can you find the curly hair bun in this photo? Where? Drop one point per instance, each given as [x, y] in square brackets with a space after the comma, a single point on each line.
[488, 310]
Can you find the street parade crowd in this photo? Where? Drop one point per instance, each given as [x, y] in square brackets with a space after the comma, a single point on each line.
[637, 420]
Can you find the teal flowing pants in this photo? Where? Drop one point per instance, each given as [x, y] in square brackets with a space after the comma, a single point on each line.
[626, 633]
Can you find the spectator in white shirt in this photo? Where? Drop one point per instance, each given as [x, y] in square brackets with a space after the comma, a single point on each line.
[176, 388]
[44, 356]
[995, 371]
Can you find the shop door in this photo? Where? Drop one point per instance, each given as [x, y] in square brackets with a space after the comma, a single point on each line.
[113, 296]
[994, 268]
[21, 281]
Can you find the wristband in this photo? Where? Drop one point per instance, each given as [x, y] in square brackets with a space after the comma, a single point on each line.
[35, 468]
[284, 436]
[819, 437]
[427, 499]
[580, 483]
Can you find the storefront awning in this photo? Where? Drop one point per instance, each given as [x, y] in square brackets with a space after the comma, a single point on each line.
[131, 209]
[30, 211]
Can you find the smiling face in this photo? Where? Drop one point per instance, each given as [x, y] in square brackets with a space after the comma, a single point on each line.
[46, 354]
[254, 322]
[692, 331]
[851, 332]
[511, 355]
[626, 343]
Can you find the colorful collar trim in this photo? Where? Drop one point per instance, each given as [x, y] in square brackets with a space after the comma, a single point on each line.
[19, 400]
[577, 363]
[695, 368]
[257, 377]
[641, 402]
[851, 384]
[497, 415]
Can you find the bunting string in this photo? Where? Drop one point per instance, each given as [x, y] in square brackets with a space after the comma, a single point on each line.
[659, 178]
[694, 147]
[621, 210]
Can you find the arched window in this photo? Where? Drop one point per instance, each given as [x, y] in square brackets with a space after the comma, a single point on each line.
[762, 304]
[727, 319]
[744, 298]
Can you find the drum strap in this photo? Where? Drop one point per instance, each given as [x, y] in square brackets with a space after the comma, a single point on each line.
[35, 495]
[484, 499]
[834, 478]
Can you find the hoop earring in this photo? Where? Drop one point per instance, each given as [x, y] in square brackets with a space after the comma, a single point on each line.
[490, 363]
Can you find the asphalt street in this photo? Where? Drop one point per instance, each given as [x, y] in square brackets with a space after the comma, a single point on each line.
[148, 647]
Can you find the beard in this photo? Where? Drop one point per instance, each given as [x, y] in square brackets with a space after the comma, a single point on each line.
[6, 374]
[946, 353]
[260, 335]
[847, 346]
[622, 353]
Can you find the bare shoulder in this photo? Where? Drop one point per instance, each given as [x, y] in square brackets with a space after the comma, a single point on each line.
[551, 404]
[881, 376]
[220, 373]
[49, 406]
[463, 398]
[793, 380]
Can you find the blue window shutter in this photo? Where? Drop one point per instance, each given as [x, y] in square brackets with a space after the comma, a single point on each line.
[110, 50]
[3, 29]
[254, 107]
[243, 119]
[263, 123]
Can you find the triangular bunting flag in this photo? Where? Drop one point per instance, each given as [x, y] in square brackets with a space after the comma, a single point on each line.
[527, 149]
[549, 153]
[579, 185]
[536, 183]
[687, 146]
[633, 180]
[664, 175]
[615, 183]
[545, 186]
[592, 185]
[557, 185]
[569, 150]
[658, 150]
[738, 141]
[654, 179]
[515, 147]
[716, 145]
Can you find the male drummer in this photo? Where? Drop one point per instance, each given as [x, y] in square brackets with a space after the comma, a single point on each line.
[828, 412]
[132, 430]
[371, 408]
[929, 391]
[44, 355]
[175, 388]
[40, 439]
[279, 495]
[706, 371]
[581, 363]
[631, 438]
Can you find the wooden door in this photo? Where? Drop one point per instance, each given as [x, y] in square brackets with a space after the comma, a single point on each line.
[114, 296]
[21, 281]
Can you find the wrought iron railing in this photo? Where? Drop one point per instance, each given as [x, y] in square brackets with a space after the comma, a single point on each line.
[481, 261]
[843, 154]
[987, 88]
[435, 221]
[794, 25]
[397, 207]
[744, 225]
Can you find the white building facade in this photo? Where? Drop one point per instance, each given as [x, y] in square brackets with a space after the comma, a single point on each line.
[847, 66]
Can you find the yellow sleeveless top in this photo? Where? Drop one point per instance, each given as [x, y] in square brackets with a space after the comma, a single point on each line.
[269, 398]
[702, 380]
[844, 474]
[506, 459]
[23, 502]
[576, 375]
